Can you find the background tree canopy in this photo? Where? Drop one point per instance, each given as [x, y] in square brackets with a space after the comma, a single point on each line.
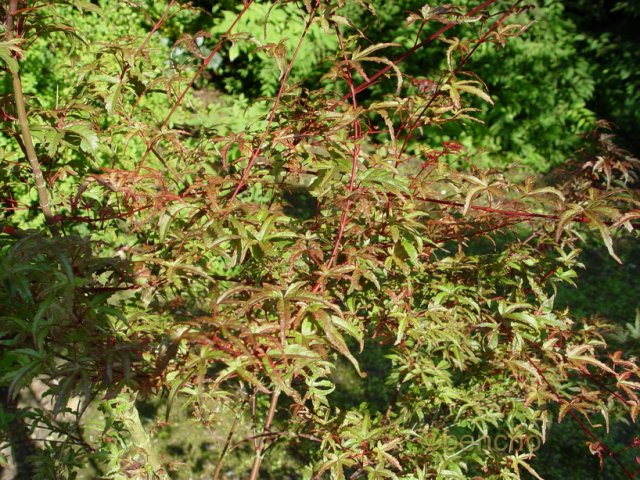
[313, 240]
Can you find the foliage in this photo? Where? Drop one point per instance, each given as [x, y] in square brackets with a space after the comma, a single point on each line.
[154, 251]
[256, 58]
[610, 45]
[603, 281]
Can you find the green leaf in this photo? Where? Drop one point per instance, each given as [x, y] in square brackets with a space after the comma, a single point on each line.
[83, 5]
[6, 55]
[335, 338]
[410, 250]
[89, 139]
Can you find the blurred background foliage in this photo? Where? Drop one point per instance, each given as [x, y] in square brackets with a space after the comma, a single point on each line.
[576, 64]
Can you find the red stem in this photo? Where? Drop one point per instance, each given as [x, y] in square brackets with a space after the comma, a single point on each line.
[373, 78]
[198, 72]
[272, 113]
[357, 132]
[464, 60]
[580, 423]
[509, 213]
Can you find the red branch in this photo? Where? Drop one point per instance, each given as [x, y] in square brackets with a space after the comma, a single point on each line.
[272, 113]
[580, 423]
[516, 213]
[614, 455]
[508, 213]
[357, 134]
[464, 60]
[198, 72]
[374, 78]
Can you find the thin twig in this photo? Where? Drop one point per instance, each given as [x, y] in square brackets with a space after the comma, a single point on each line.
[257, 460]
[189, 85]
[232, 430]
[272, 113]
[23, 121]
[464, 60]
[580, 423]
[374, 78]
[357, 135]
